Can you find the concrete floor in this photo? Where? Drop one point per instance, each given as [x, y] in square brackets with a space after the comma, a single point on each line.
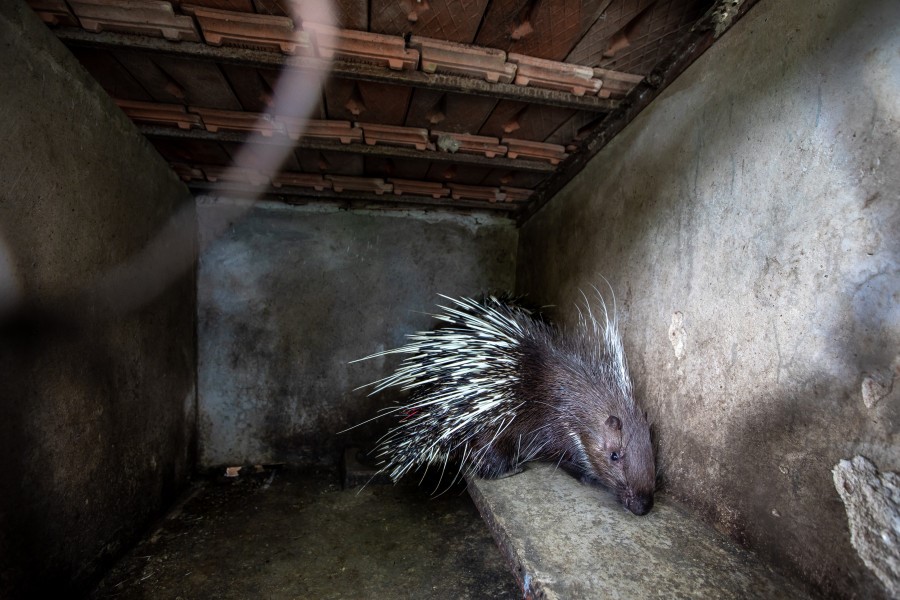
[290, 534]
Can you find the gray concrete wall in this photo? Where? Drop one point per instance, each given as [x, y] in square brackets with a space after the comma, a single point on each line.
[289, 296]
[749, 221]
[96, 403]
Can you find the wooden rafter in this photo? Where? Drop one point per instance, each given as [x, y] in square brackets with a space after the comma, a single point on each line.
[340, 69]
[291, 195]
[498, 162]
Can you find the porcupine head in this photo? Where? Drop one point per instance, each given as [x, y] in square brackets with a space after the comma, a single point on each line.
[582, 377]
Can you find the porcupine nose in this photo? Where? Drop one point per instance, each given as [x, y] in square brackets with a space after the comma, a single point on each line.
[639, 505]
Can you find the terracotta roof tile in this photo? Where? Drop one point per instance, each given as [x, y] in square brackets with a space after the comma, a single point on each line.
[316, 182]
[439, 56]
[552, 153]
[615, 83]
[235, 120]
[359, 184]
[419, 188]
[159, 114]
[341, 131]
[234, 174]
[554, 75]
[516, 194]
[248, 30]
[362, 46]
[414, 137]
[145, 17]
[475, 192]
[470, 144]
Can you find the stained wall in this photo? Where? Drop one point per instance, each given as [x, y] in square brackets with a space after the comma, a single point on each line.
[749, 222]
[97, 341]
[289, 296]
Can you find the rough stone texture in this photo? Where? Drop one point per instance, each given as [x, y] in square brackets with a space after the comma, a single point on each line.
[872, 500]
[289, 296]
[97, 415]
[758, 198]
[296, 535]
[567, 540]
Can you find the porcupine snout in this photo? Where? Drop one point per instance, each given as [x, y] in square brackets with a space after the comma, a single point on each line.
[639, 467]
[639, 504]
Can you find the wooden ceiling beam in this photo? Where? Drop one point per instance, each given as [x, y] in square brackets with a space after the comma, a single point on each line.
[498, 162]
[297, 195]
[340, 69]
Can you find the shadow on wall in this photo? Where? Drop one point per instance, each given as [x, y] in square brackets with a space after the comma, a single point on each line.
[94, 419]
[760, 204]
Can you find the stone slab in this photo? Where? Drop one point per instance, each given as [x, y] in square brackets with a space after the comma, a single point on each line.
[567, 540]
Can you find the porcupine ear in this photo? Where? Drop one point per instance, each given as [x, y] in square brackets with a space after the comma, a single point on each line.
[614, 423]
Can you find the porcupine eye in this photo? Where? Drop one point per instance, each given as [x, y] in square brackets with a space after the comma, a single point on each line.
[614, 456]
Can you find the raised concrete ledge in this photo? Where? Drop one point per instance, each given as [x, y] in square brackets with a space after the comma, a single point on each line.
[566, 540]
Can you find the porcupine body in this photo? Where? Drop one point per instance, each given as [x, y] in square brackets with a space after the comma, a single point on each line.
[494, 387]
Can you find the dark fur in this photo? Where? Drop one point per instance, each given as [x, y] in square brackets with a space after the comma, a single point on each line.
[565, 391]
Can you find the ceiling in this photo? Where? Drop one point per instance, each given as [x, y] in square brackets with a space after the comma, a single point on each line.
[401, 117]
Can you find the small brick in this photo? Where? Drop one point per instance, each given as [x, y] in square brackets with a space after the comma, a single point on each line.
[616, 84]
[234, 174]
[516, 194]
[439, 56]
[316, 182]
[395, 135]
[476, 192]
[419, 188]
[236, 120]
[342, 131]
[375, 185]
[145, 17]
[361, 46]
[552, 153]
[551, 74]
[249, 30]
[159, 113]
[487, 146]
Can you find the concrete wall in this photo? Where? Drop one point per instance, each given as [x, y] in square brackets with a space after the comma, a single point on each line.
[749, 221]
[289, 296]
[96, 406]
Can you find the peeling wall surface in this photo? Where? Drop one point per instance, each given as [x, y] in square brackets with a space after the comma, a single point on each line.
[289, 296]
[96, 416]
[749, 221]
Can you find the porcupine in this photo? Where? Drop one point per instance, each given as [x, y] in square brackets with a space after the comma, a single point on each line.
[496, 386]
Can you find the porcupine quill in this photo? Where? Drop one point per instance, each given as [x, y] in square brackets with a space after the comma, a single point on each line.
[496, 386]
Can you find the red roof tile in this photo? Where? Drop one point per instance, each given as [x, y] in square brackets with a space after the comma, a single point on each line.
[554, 75]
[248, 30]
[145, 17]
[439, 56]
[362, 46]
